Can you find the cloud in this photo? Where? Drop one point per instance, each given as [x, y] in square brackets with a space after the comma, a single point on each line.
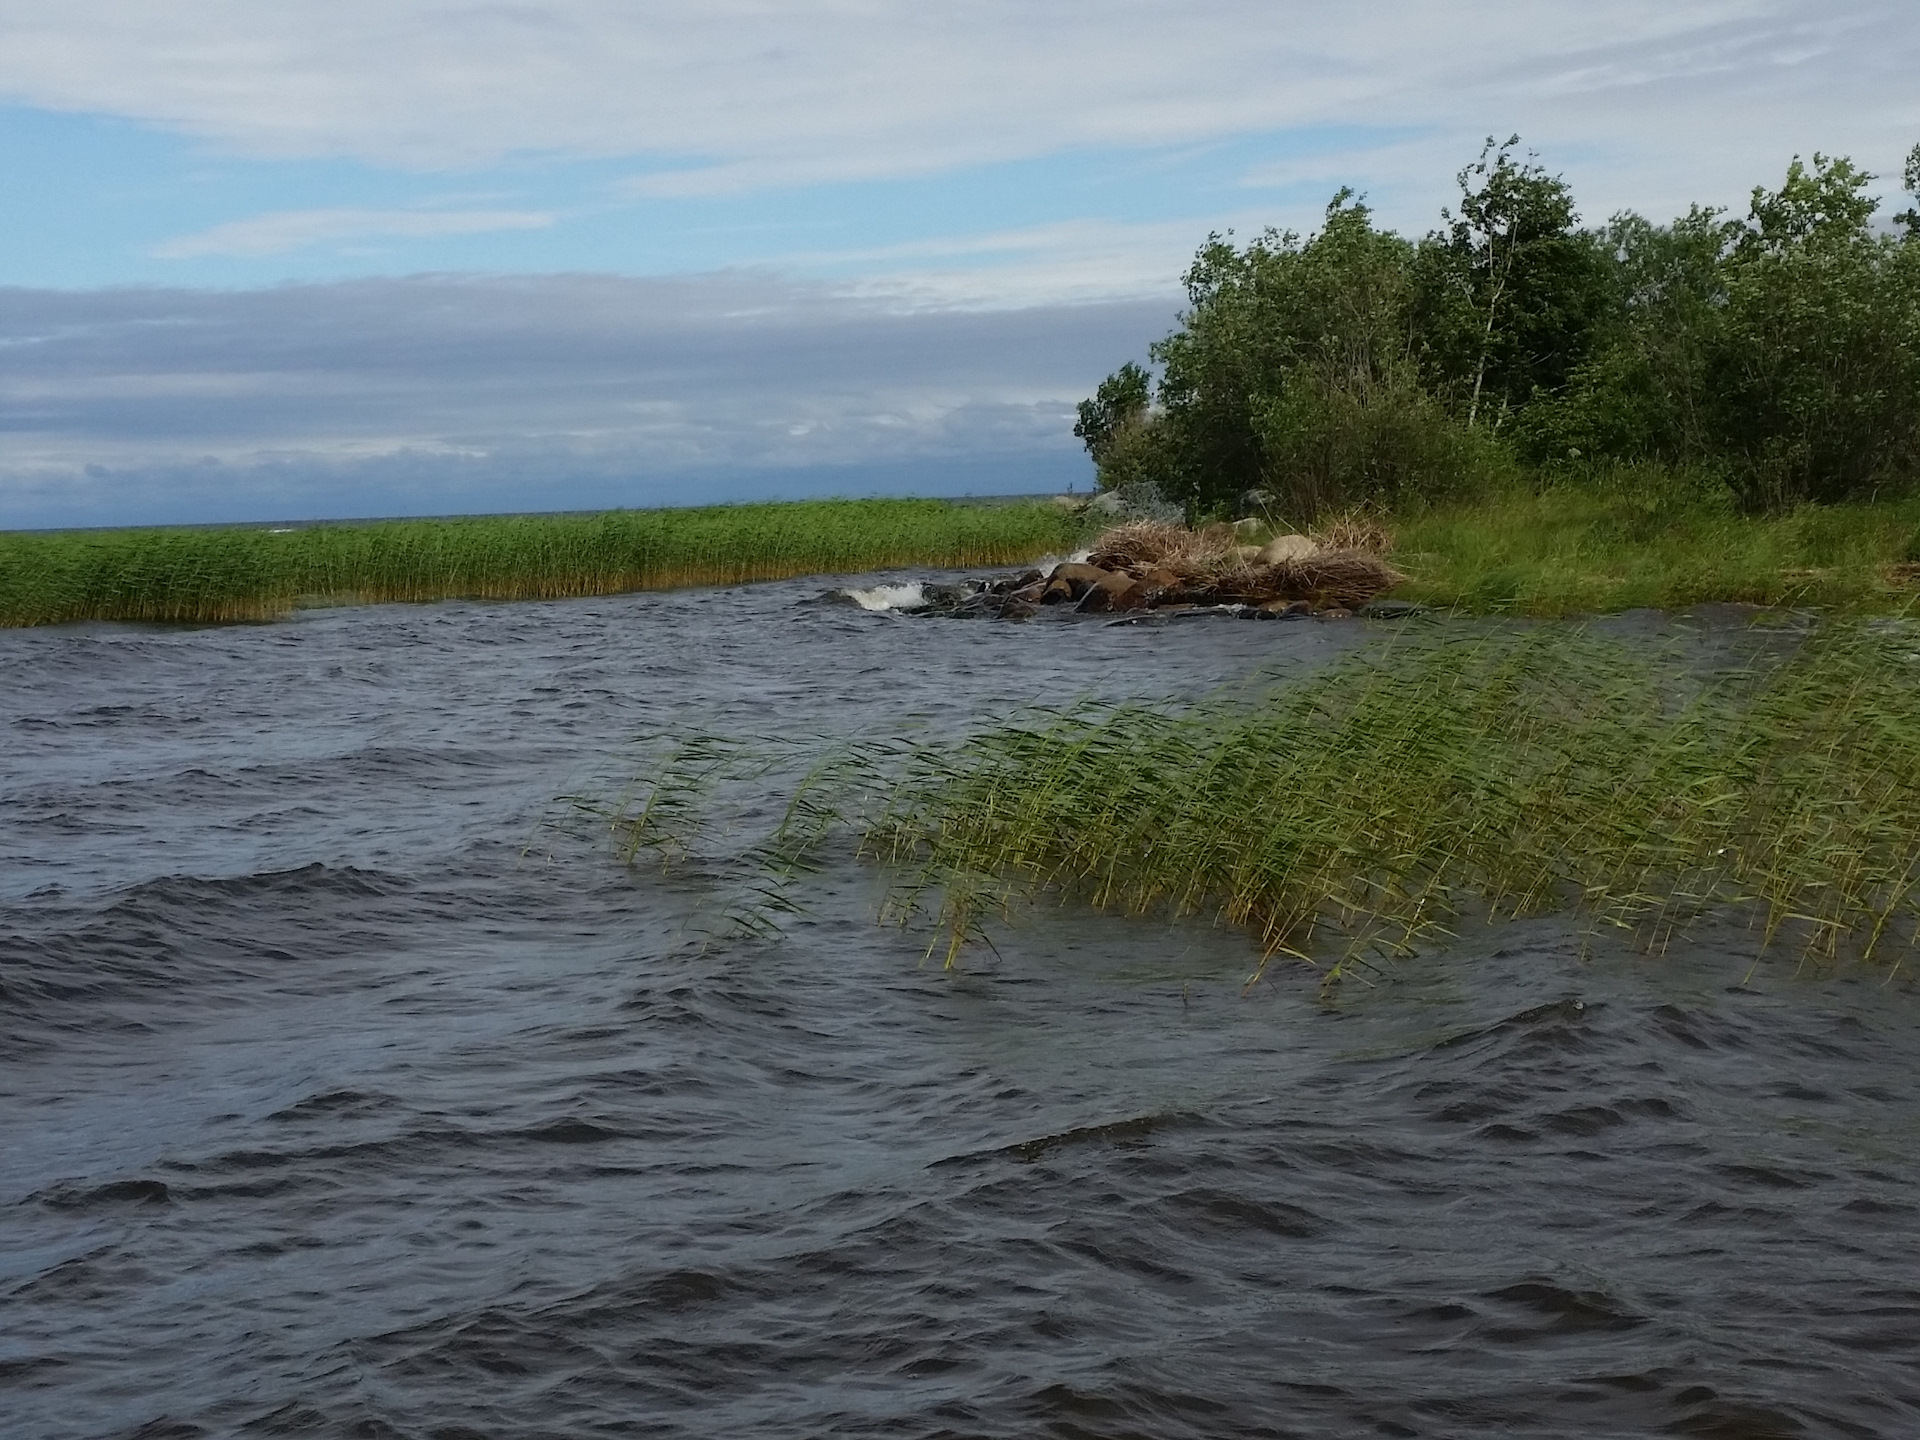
[284, 230]
[436, 394]
[744, 94]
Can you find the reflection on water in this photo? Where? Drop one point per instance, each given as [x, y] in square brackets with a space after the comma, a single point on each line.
[328, 1108]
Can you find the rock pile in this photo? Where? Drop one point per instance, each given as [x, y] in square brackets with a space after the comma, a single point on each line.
[1151, 565]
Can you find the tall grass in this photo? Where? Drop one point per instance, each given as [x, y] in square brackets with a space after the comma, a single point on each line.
[220, 575]
[1361, 813]
[1652, 537]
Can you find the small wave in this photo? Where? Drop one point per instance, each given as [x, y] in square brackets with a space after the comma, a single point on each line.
[910, 596]
[70, 1196]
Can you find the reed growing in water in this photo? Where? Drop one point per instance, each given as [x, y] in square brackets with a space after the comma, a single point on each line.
[1359, 814]
[233, 574]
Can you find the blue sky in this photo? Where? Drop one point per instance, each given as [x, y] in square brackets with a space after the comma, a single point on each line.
[904, 239]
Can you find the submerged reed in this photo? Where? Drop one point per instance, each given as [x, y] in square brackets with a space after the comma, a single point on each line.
[1359, 814]
[220, 575]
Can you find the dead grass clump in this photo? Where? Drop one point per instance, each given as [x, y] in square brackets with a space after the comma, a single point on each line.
[1354, 531]
[1346, 579]
[1156, 542]
[1212, 564]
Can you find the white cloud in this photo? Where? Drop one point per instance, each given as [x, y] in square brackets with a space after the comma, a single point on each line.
[733, 94]
[283, 230]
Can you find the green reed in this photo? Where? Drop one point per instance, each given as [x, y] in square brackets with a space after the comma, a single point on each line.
[230, 574]
[1653, 537]
[1361, 813]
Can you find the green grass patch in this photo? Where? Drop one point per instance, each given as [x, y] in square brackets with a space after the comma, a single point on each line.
[1660, 542]
[1360, 814]
[238, 574]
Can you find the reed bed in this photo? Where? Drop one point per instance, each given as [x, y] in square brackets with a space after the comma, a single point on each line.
[234, 574]
[1360, 815]
[1654, 540]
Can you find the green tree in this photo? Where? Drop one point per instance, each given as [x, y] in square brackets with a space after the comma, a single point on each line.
[1910, 179]
[1294, 371]
[1118, 405]
[1641, 393]
[1511, 288]
[1815, 385]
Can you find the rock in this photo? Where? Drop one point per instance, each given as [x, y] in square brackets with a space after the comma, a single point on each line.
[1107, 502]
[1159, 577]
[1077, 577]
[1287, 607]
[1056, 592]
[1009, 584]
[1249, 554]
[1283, 548]
[1335, 612]
[1115, 592]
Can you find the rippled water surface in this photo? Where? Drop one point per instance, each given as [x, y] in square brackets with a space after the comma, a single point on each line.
[339, 1098]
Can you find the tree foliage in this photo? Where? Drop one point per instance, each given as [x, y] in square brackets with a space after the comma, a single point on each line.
[1781, 351]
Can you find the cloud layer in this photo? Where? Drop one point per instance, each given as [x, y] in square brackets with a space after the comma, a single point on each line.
[433, 394]
[747, 93]
[994, 201]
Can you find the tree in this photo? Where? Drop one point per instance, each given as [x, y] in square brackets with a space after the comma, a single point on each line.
[1119, 404]
[1910, 179]
[1641, 392]
[1512, 289]
[1816, 384]
[1827, 204]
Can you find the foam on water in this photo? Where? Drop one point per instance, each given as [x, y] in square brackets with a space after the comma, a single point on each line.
[910, 596]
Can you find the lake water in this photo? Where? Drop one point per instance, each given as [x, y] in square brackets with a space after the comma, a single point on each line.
[338, 1097]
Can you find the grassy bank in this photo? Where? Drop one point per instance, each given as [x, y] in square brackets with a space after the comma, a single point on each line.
[215, 575]
[1359, 814]
[1597, 549]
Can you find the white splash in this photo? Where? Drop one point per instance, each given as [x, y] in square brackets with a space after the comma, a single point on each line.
[1046, 563]
[910, 596]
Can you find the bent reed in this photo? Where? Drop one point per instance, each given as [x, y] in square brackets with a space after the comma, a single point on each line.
[252, 574]
[1360, 814]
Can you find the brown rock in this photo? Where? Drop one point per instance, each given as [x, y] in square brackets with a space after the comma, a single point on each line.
[1077, 576]
[1115, 592]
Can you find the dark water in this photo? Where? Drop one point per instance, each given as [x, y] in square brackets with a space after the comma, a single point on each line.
[325, 1110]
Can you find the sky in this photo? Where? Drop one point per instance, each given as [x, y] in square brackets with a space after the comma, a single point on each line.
[304, 259]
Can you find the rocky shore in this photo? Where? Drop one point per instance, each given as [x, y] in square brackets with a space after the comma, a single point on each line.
[1150, 566]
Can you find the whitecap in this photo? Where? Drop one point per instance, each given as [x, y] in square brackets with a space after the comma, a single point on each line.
[910, 596]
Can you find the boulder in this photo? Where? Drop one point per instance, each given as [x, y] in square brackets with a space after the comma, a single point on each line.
[1076, 577]
[1009, 584]
[1283, 548]
[1115, 592]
